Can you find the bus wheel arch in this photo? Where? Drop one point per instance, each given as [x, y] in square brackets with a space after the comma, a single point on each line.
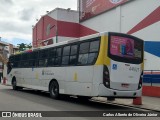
[54, 89]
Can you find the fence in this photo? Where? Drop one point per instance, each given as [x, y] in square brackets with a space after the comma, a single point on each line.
[151, 77]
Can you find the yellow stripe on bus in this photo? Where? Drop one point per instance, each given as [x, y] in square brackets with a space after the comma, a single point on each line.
[75, 76]
[142, 65]
[103, 59]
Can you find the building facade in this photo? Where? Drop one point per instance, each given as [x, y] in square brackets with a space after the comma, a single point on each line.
[139, 18]
[57, 26]
[6, 49]
[93, 16]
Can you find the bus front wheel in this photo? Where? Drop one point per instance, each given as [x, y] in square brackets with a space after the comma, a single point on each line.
[54, 90]
[14, 85]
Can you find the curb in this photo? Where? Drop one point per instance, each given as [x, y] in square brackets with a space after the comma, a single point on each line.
[116, 102]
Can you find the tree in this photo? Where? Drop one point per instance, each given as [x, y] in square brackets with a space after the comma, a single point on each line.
[29, 46]
[23, 46]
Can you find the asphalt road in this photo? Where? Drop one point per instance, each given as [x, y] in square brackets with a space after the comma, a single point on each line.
[30, 100]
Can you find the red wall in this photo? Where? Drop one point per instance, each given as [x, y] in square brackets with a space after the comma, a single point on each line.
[40, 30]
[68, 29]
[52, 31]
[34, 36]
[152, 91]
[64, 29]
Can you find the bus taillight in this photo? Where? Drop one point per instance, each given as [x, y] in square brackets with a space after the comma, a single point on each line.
[106, 78]
[140, 81]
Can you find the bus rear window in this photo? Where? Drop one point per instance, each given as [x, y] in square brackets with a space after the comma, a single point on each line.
[125, 47]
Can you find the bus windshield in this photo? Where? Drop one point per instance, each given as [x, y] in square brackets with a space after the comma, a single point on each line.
[125, 48]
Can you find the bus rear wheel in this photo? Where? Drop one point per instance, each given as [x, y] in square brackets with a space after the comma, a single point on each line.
[54, 90]
[14, 84]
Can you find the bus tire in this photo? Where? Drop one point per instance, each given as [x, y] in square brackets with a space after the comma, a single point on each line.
[54, 90]
[14, 85]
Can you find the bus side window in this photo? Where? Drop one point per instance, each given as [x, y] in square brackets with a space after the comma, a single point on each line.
[24, 56]
[43, 54]
[43, 58]
[84, 48]
[73, 60]
[43, 62]
[31, 59]
[51, 56]
[93, 52]
[59, 52]
[15, 64]
[31, 63]
[65, 58]
[17, 60]
[50, 61]
[24, 62]
[57, 60]
[52, 52]
[94, 46]
[83, 58]
[73, 55]
[92, 57]
[83, 53]
[88, 52]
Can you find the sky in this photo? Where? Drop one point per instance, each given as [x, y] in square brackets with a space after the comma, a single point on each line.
[18, 16]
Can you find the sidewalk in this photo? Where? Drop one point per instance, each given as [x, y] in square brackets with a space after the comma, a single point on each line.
[149, 103]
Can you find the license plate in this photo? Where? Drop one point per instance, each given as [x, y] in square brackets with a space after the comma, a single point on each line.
[125, 85]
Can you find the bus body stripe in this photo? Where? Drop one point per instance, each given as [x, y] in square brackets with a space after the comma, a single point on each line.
[102, 57]
[107, 59]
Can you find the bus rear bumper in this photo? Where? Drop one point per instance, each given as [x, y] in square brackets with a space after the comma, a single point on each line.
[103, 91]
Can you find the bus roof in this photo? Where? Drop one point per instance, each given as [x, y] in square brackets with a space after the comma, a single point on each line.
[72, 40]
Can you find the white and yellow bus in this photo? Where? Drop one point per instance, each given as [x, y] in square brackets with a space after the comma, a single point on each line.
[104, 64]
